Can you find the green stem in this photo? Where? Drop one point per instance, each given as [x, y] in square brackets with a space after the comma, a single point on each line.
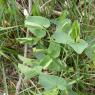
[4, 80]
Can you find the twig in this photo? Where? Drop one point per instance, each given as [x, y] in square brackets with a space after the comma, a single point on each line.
[26, 46]
[25, 50]
[35, 86]
[18, 85]
[27, 33]
[42, 7]
[58, 13]
[26, 90]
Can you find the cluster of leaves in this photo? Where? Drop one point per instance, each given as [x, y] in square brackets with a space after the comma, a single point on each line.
[64, 55]
[67, 35]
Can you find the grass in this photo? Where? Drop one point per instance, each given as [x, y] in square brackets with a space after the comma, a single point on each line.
[80, 67]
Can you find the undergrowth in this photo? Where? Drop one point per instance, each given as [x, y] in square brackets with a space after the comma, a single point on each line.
[57, 57]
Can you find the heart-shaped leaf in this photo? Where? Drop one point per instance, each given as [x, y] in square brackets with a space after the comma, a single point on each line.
[56, 65]
[51, 81]
[27, 61]
[38, 32]
[29, 72]
[37, 21]
[54, 49]
[80, 46]
[61, 37]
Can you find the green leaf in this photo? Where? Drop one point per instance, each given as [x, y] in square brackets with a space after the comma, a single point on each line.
[56, 65]
[46, 61]
[79, 47]
[29, 72]
[65, 25]
[39, 94]
[68, 91]
[63, 16]
[51, 81]
[24, 40]
[51, 92]
[72, 93]
[66, 28]
[54, 49]
[75, 31]
[39, 55]
[26, 60]
[38, 32]
[37, 21]
[35, 8]
[28, 40]
[90, 51]
[61, 23]
[60, 20]
[61, 37]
